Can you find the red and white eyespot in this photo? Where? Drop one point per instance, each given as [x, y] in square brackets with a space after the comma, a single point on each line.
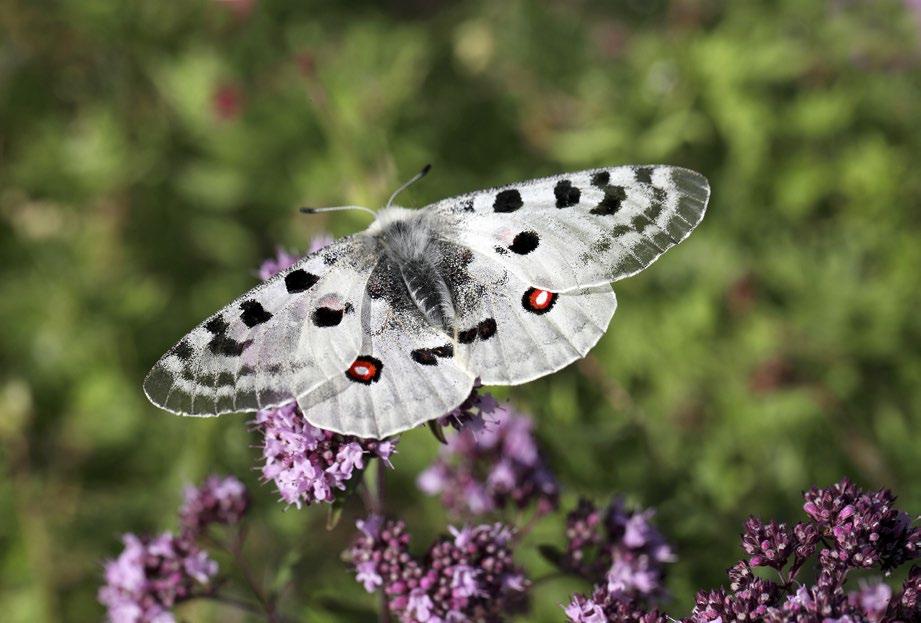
[538, 301]
[365, 370]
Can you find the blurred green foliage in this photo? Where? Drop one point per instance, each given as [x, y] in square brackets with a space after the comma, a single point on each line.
[152, 153]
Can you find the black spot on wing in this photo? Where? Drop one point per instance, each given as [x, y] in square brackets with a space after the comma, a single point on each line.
[430, 356]
[222, 344]
[299, 280]
[507, 201]
[643, 175]
[216, 325]
[253, 313]
[601, 179]
[182, 350]
[467, 336]
[326, 316]
[566, 194]
[611, 202]
[424, 356]
[525, 242]
[501, 250]
[486, 329]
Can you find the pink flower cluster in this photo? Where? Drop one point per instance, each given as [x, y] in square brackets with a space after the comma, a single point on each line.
[468, 576]
[151, 575]
[219, 500]
[309, 464]
[490, 464]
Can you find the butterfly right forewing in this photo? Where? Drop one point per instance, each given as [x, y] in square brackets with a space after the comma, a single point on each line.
[274, 343]
[581, 229]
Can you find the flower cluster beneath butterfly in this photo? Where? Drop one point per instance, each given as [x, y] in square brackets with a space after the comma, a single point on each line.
[388, 328]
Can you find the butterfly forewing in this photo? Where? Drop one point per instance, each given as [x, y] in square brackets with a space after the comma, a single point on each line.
[582, 229]
[277, 341]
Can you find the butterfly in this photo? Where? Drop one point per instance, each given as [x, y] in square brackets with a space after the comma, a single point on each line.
[385, 329]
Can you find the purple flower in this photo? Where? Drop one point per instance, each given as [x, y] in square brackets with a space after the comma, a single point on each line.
[864, 528]
[872, 600]
[768, 545]
[219, 500]
[284, 260]
[585, 610]
[907, 607]
[850, 528]
[619, 549]
[468, 576]
[488, 465]
[152, 575]
[624, 555]
[602, 607]
[309, 464]
[847, 528]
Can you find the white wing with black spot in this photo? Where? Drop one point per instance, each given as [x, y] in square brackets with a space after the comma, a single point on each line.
[406, 372]
[512, 332]
[274, 343]
[581, 229]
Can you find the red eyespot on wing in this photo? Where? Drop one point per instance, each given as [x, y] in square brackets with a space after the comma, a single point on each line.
[365, 370]
[538, 301]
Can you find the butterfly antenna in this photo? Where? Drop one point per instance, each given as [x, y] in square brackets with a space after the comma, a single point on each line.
[338, 209]
[415, 178]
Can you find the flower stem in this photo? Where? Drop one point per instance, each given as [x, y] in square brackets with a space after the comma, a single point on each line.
[377, 503]
[245, 606]
[236, 550]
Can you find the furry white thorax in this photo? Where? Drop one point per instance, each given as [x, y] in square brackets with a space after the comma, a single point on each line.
[407, 238]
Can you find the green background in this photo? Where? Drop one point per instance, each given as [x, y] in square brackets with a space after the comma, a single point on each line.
[152, 153]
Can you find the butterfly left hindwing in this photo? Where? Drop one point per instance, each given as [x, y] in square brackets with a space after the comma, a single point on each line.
[405, 373]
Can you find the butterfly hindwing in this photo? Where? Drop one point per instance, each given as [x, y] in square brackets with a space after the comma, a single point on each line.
[581, 229]
[277, 341]
[405, 373]
[511, 332]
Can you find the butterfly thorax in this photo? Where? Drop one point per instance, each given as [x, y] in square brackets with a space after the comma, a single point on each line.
[409, 244]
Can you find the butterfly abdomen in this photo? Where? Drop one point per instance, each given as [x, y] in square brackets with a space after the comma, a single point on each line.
[430, 293]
